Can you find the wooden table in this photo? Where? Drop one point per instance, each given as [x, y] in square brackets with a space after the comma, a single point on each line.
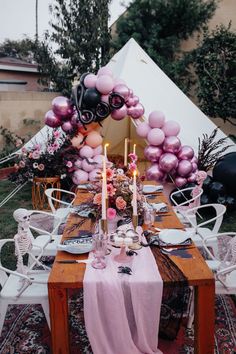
[70, 276]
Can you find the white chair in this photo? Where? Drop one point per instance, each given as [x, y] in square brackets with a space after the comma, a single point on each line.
[222, 265]
[61, 213]
[191, 196]
[17, 288]
[198, 230]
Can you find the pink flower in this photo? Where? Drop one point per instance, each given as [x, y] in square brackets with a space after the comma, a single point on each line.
[35, 154]
[37, 147]
[50, 150]
[110, 174]
[30, 155]
[133, 157]
[21, 164]
[55, 145]
[111, 190]
[69, 164]
[120, 203]
[41, 167]
[18, 142]
[35, 165]
[111, 213]
[132, 166]
[56, 134]
[97, 199]
[24, 150]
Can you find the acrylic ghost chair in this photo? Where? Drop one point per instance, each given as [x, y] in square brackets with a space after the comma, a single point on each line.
[60, 207]
[223, 266]
[23, 285]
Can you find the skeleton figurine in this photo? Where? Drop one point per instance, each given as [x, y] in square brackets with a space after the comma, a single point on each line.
[22, 239]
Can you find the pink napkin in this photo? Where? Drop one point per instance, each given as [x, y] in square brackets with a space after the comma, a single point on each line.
[122, 312]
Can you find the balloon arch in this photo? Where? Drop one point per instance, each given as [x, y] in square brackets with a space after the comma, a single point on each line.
[97, 97]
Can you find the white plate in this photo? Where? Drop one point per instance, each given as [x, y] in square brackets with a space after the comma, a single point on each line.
[76, 249]
[83, 186]
[173, 236]
[149, 188]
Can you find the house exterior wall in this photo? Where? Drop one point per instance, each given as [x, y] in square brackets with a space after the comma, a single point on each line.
[31, 78]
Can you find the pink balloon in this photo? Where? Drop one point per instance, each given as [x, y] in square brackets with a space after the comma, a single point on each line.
[194, 166]
[122, 89]
[119, 114]
[136, 111]
[87, 165]
[168, 162]
[191, 178]
[104, 84]
[130, 102]
[155, 136]
[171, 128]
[186, 153]
[171, 144]
[77, 141]
[94, 175]
[131, 93]
[78, 163]
[105, 98]
[156, 119]
[104, 70]
[99, 160]
[52, 120]
[180, 181]
[93, 139]
[90, 80]
[135, 99]
[118, 81]
[98, 150]
[153, 153]
[194, 160]
[62, 107]
[143, 129]
[67, 127]
[155, 173]
[86, 151]
[80, 176]
[184, 168]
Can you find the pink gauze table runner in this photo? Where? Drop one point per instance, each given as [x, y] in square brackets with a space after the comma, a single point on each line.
[122, 312]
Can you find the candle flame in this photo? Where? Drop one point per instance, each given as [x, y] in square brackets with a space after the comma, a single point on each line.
[106, 145]
[135, 173]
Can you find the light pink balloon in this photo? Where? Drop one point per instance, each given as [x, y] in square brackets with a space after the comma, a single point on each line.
[94, 175]
[154, 173]
[62, 107]
[192, 178]
[93, 139]
[87, 165]
[171, 144]
[80, 176]
[194, 160]
[104, 84]
[135, 99]
[119, 114]
[99, 160]
[78, 163]
[168, 162]
[155, 136]
[136, 111]
[118, 81]
[180, 181]
[185, 153]
[105, 98]
[67, 126]
[76, 141]
[143, 129]
[105, 70]
[130, 102]
[98, 150]
[153, 153]
[52, 120]
[86, 151]
[156, 119]
[194, 166]
[90, 80]
[184, 168]
[122, 89]
[171, 128]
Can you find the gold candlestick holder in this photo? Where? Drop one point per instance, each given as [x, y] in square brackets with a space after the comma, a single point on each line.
[135, 221]
[104, 226]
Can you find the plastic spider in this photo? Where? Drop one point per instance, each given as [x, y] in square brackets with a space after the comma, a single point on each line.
[125, 270]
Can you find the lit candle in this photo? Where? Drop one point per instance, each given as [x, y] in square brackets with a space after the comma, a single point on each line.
[126, 152]
[105, 155]
[104, 187]
[134, 149]
[135, 208]
[104, 167]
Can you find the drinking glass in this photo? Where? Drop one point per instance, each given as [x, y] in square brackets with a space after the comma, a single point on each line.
[100, 248]
[149, 217]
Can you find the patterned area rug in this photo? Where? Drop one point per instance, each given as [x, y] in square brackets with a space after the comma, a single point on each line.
[26, 331]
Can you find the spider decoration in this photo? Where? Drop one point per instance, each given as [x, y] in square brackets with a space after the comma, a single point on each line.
[125, 270]
[131, 253]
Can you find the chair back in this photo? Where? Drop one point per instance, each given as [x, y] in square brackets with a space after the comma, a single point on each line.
[53, 201]
[192, 199]
[3, 273]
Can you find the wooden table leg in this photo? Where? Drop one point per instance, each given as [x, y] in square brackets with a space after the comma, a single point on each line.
[204, 318]
[58, 304]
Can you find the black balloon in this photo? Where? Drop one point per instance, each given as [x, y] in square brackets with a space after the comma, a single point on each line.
[91, 98]
[221, 199]
[216, 190]
[224, 171]
[231, 203]
[206, 184]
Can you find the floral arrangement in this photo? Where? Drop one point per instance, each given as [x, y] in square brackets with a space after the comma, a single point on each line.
[120, 195]
[41, 160]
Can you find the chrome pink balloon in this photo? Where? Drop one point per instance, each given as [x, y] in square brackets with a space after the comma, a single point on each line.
[87, 165]
[191, 178]
[119, 114]
[171, 128]
[156, 119]
[80, 176]
[155, 136]
[136, 111]
[90, 80]
[171, 144]
[136, 100]
[52, 120]
[67, 127]
[62, 107]
[131, 93]
[185, 153]
[104, 84]
[130, 102]
[104, 70]
[143, 129]
[180, 181]
[168, 162]
[123, 90]
[153, 153]
[194, 166]
[194, 160]
[154, 173]
[184, 168]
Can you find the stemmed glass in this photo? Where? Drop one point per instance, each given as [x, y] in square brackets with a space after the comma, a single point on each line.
[149, 217]
[100, 248]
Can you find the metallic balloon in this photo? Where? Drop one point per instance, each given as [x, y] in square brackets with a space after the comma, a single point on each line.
[154, 173]
[180, 181]
[62, 107]
[171, 144]
[136, 111]
[168, 162]
[184, 168]
[153, 153]
[119, 114]
[52, 120]
[185, 153]
[123, 90]
[192, 177]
